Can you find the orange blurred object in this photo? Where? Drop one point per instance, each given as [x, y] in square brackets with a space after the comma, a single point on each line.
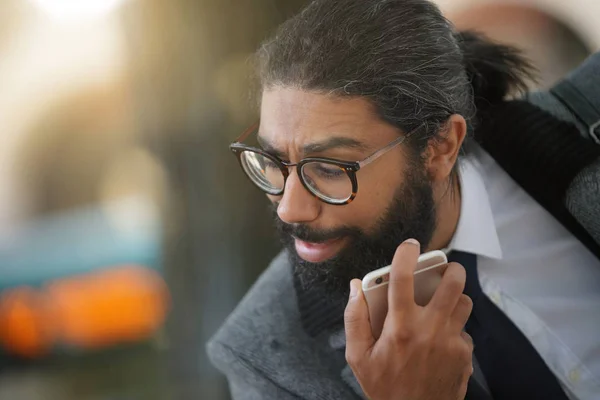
[117, 305]
[25, 329]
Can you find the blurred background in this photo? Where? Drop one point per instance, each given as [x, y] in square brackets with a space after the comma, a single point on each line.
[127, 232]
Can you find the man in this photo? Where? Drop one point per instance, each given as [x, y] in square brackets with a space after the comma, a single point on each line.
[365, 111]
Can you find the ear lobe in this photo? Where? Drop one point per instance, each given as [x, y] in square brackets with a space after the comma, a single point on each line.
[443, 151]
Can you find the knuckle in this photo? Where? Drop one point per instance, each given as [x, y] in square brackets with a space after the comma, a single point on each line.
[466, 337]
[425, 340]
[465, 302]
[350, 316]
[348, 311]
[467, 347]
[456, 277]
[353, 359]
[467, 342]
[457, 270]
[401, 331]
[398, 335]
[350, 358]
[460, 350]
[466, 354]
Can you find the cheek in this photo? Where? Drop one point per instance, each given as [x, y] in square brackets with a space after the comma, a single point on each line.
[352, 215]
[370, 203]
[374, 196]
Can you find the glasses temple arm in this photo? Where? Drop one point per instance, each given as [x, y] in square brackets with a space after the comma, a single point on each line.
[387, 148]
[247, 132]
[381, 152]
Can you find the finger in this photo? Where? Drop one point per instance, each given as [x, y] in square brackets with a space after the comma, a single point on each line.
[449, 291]
[401, 289]
[461, 313]
[359, 338]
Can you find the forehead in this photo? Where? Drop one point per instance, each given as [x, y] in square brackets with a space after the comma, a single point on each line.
[298, 116]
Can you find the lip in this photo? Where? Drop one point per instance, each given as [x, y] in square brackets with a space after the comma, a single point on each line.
[318, 252]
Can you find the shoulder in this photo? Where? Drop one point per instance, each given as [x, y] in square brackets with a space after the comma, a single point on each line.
[266, 315]
[264, 341]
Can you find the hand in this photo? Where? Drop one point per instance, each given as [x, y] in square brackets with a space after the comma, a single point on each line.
[422, 353]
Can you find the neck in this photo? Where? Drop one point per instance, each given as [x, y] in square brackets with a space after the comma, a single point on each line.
[448, 214]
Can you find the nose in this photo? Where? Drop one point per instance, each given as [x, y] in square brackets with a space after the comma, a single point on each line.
[297, 205]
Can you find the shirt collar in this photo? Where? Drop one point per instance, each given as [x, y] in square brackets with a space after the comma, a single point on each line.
[476, 229]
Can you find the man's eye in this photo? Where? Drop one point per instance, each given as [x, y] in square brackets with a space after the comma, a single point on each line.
[329, 172]
[270, 164]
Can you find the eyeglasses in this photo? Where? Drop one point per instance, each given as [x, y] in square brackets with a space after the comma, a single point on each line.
[332, 181]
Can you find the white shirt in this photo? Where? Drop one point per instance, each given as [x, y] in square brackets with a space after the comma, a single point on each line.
[534, 270]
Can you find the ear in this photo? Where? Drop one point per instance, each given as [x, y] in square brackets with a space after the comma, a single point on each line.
[443, 151]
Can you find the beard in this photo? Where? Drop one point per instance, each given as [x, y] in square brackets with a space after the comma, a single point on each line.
[411, 214]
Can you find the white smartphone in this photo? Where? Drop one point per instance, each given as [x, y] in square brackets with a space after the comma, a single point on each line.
[375, 286]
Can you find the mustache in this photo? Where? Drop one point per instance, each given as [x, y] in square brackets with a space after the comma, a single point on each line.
[308, 234]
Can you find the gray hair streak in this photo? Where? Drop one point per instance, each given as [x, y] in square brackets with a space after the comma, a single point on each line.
[403, 56]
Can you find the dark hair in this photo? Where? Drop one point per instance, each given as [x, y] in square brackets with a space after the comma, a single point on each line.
[402, 55]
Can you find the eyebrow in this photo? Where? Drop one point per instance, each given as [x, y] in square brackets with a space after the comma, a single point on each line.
[335, 142]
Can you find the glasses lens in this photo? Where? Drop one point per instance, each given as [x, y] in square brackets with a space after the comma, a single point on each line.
[328, 181]
[263, 171]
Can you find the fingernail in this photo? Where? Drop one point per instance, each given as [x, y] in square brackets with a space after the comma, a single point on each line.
[353, 289]
[412, 241]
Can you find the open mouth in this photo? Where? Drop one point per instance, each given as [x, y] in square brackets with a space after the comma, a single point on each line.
[318, 252]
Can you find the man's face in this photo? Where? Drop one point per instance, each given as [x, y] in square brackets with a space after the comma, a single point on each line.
[329, 244]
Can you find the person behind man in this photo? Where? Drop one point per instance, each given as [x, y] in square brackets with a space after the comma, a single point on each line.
[366, 155]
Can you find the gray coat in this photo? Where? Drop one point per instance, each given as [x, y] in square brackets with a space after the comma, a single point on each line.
[266, 353]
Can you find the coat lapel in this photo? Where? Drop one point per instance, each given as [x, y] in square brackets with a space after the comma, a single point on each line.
[267, 332]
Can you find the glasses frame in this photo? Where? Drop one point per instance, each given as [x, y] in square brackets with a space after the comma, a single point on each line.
[349, 167]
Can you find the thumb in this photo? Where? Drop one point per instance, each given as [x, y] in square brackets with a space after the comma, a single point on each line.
[359, 338]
